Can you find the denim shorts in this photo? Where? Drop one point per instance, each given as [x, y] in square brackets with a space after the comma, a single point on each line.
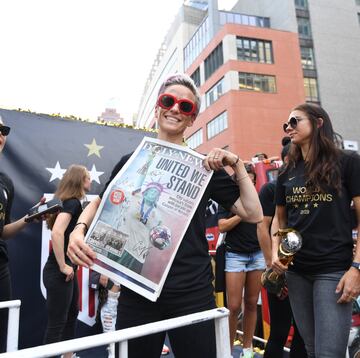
[235, 262]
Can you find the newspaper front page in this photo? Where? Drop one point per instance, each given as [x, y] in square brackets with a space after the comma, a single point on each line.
[144, 215]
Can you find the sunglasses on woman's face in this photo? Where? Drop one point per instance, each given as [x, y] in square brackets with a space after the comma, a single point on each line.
[292, 122]
[4, 130]
[168, 101]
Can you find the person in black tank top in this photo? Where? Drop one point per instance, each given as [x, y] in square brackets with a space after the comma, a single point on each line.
[59, 274]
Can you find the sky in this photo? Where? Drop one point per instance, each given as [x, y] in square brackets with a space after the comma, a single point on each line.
[77, 57]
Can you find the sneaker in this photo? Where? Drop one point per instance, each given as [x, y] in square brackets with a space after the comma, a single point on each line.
[165, 350]
[247, 353]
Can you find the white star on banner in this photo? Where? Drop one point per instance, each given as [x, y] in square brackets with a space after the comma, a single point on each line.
[94, 174]
[56, 172]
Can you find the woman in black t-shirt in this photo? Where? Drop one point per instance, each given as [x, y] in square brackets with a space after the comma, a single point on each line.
[313, 196]
[7, 229]
[188, 286]
[59, 273]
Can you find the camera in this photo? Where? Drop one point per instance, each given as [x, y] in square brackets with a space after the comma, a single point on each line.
[49, 207]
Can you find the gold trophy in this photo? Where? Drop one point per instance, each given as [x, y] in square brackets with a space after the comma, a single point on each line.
[290, 243]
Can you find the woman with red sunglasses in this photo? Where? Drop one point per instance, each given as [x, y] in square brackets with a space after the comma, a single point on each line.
[313, 196]
[7, 229]
[188, 287]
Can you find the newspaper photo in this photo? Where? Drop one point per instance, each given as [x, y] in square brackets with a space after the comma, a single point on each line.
[144, 214]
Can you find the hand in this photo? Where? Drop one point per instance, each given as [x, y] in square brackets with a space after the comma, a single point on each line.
[218, 158]
[79, 252]
[68, 271]
[277, 266]
[349, 285]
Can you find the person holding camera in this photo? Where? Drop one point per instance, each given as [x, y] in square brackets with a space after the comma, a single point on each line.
[7, 229]
[59, 274]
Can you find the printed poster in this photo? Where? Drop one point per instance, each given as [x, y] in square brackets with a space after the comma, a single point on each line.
[145, 213]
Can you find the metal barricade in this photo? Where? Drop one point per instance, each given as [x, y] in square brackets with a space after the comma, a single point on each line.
[220, 315]
[13, 323]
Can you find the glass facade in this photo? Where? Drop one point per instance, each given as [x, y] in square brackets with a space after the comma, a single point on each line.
[196, 77]
[307, 58]
[301, 4]
[198, 42]
[257, 82]
[311, 89]
[217, 125]
[195, 139]
[214, 61]
[304, 28]
[241, 19]
[214, 93]
[201, 37]
[254, 50]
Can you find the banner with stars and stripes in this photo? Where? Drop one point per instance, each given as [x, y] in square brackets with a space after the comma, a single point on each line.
[38, 151]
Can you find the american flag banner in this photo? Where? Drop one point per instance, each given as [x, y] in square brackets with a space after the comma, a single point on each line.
[38, 151]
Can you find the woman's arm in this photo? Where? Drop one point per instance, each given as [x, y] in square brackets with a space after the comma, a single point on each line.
[79, 252]
[247, 206]
[57, 237]
[277, 266]
[226, 225]
[13, 228]
[349, 284]
[263, 234]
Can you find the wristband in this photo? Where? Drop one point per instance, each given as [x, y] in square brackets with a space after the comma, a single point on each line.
[86, 227]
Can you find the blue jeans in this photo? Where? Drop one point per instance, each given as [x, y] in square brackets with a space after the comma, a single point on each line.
[235, 262]
[323, 324]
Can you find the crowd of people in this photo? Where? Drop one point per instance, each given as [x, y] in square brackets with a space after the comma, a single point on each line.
[312, 195]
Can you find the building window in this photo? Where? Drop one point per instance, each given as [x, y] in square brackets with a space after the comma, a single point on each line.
[311, 89]
[217, 125]
[307, 58]
[214, 93]
[242, 19]
[359, 17]
[195, 139]
[254, 50]
[213, 61]
[257, 82]
[196, 77]
[301, 4]
[304, 28]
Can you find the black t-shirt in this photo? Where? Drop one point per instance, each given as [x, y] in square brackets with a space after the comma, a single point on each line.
[323, 219]
[6, 199]
[242, 238]
[191, 272]
[267, 198]
[74, 208]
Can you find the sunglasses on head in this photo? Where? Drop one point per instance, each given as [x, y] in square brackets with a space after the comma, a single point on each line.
[4, 130]
[168, 101]
[292, 122]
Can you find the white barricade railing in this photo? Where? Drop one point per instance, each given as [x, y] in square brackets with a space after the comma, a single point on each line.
[220, 315]
[13, 323]
[262, 340]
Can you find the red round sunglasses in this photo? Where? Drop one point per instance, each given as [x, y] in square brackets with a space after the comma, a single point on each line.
[168, 101]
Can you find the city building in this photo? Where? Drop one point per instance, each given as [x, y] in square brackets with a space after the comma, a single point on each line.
[111, 115]
[257, 61]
